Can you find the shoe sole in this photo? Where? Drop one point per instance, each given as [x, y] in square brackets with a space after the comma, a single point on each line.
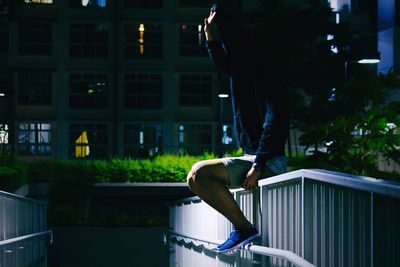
[241, 244]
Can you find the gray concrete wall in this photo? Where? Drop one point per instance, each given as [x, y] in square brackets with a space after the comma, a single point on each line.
[98, 247]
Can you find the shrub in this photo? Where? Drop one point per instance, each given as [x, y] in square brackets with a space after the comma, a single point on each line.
[12, 172]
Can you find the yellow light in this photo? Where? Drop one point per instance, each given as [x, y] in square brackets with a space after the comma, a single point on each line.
[141, 27]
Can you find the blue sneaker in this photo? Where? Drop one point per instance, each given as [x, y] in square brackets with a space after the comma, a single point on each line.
[238, 239]
[234, 232]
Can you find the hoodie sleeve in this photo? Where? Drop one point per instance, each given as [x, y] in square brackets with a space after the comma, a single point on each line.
[218, 55]
[275, 131]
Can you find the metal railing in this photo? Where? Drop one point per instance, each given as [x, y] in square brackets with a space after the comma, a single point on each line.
[23, 234]
[327, 218]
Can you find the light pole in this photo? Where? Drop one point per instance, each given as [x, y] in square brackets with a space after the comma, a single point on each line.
[369, 59]
[221, 97]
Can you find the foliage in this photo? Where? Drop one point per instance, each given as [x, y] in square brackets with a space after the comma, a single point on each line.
[13, 174]
[368, 128]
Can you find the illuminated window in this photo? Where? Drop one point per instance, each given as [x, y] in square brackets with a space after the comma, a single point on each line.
[194, 139]
[4, 38]
[191, 39]
[88, 3]
[34, 38]
[39, 1]
[195, 90]
[144, 4]
[142, 140]
[93, 142]
[34, 88]
[88, 40]
[227, 135]
[143, 91]
[34, 139]
[143, 40]
[3, 134]
[88, 90]
[195, 3]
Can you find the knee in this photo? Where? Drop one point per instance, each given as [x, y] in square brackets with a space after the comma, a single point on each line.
[194, 176]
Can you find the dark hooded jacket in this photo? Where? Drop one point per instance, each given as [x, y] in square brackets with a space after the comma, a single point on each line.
[260, 101]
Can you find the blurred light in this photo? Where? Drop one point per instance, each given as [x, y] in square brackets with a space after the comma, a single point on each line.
[2, 94]
[369, 61]
[223, 95]
[330, 37]
[85, 2]
[90, 91]
[334, 49]
[200, 27]
[141, 27]
[337, 18]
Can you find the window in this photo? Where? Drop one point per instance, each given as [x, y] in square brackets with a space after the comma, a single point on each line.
[143, 91]
[195, 90]
[34, 88]
[191, 39]
[194, 139]
[4, 38]
[88, 40]
[88, 90]
[227, 135]
[142, 140]
[3, 134]
[4, 85]
[88, 3]
[34, 38]
[39, 1]
[88, 140]
[143, 40]
[195, 3]
[34, 139]
[144, 4]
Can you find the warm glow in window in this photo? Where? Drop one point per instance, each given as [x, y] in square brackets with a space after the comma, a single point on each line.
[39, 1]
[82, 148]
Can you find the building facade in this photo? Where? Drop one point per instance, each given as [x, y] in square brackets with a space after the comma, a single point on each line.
[103, 78]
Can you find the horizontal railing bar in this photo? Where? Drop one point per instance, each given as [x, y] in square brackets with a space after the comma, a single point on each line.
[25, 237]
[279, 253]
[379, 186]
[266, 251]
[17, 197]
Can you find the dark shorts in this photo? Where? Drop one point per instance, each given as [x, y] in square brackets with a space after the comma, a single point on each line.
[238, 167]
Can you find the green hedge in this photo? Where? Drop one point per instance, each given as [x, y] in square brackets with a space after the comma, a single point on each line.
[165, 168]
[13, 174]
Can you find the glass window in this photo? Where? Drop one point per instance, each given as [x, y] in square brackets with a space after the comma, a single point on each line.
[34, 88]
[143, 40]
[142, 140]
[88, 40]
[88, 90]
[34, 139]
[143, 91]
[3, 134]
[34, 38]
[88, 3]
[144, 4]
[195, 3]
[227, 134]
[39, 1]
[88, 140]
[191, 41]
[194, 139]
[195, 90]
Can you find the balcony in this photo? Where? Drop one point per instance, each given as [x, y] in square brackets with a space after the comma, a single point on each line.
[306, 218]
[23, 234]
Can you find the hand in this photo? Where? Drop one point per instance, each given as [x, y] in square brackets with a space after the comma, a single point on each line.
[209, 26]
[251, 180]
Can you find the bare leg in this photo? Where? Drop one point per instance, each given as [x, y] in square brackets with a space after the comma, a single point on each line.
[209, 179]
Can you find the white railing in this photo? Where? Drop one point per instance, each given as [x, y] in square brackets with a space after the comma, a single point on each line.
[327, 218]
[23, 234]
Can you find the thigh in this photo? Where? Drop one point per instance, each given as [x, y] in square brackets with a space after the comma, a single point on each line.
[211, 169]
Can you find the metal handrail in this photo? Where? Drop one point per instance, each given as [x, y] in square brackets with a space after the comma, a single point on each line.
[266, 251]
[25, 237]
[378, 186]
[14, 196]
